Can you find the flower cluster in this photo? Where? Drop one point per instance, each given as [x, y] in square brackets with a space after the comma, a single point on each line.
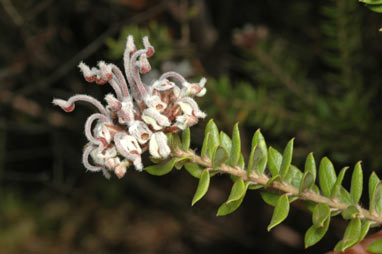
[137, 117]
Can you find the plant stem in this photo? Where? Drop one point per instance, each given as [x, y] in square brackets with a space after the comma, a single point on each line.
[281, 186]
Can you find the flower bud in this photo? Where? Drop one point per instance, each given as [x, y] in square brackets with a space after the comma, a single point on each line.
[140, 131]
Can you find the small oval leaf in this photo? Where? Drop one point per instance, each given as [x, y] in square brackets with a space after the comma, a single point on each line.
[351, 235]
[194, 169]
[237, 191]
[259, 154]
[350, 213]
[201, 190]
[306, 182]
[205, 145]
[236, 146]
[161, 169]
[320, 214]
[220, 155]
[373, 182]
[214, 139]
[225, 142]
[375, 247]
[310, 165]
[356, 183]
[327, 176]
[314, 234]
[280, 212]
[365, 226]
[225, 208]
[274, 161]
[287, 159]
[335, 192]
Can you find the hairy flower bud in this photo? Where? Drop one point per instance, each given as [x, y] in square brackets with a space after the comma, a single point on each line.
[159, 145]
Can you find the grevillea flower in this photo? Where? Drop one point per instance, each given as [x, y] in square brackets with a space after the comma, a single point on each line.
[137, 117]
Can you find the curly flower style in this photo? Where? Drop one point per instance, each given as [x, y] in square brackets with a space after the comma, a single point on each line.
[137, 117]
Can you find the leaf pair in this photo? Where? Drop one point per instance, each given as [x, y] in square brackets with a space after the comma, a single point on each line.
[374, 5]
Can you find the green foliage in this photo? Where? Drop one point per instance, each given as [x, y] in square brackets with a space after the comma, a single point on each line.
[374, 5]
[376, 246]
[287, 183]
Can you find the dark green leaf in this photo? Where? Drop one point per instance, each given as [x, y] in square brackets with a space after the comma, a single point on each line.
[327, 176]
[356, 183]
[320, 214]
[181, 161]
[186, 139]
[375, 247]
[350, 213]
[307, 181]
[335, 192]
[274, 161]
[310, 165]
[287, 159]
[314, 234]
[255, 186]
[205, 145]
[280, 212]
[259, 154]
[176, 142]
[201, 190]
[194, 169]
[161, 169]
[220, 155]
[236, 146]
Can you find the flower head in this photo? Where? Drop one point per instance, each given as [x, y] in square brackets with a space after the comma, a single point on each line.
[137, 117]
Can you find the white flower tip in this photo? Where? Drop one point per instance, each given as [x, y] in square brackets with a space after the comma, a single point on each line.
[89, 74]
[202, 92]
[120, 171]
[130, 46]
[149, 49]
[65, 105]
[202, 82]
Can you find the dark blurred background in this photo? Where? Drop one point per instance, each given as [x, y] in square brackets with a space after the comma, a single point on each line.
[304, 69]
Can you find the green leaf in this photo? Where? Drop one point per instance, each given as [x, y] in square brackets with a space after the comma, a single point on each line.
[378, 199]
[259, 154]
[213, 139]
[375, 247]
[271, 180]
[327, 176]
[375, 8]
[351, 235]
[356, 183]
[241, 163]
[294, 176]
[225, 142]
[252, 186]
[194, 169]
[236, 146]
[287, 159]
[373, 182]
[280, 212]
[237, 191]
[220, 155]
[161, 169]
[314, 234]
[371, 1]
[186, 139]
[335, 192]
[306, 182]
[205, 145]
[201, 190]
[365, 226]
[176, 142]
[310, 165]
[274, 161]
[270, 198]
[320, 214]
[350, 213]
[225, 208]
[181, 161]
